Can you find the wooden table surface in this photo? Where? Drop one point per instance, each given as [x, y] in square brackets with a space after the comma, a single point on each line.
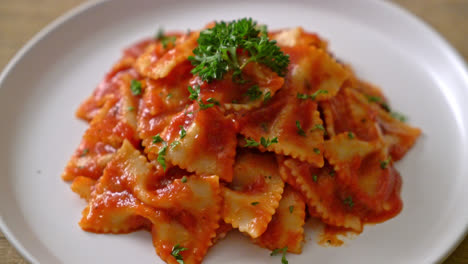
[21, 19]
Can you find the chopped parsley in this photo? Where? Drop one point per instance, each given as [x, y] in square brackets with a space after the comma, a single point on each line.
[315, 177]
[349, 201]
[350, 135]
[157, 139]
[204, 106]
[283, 251]
[319, 127]
[320, 91]
[162, 157]
[212, 100]
[312, 96]
[182, 132]
[399, 116]
[300, 131]
[165, 40]
[176, 253]
[254, 93]
[218, 46]
[251, 143]
[84, 152]
[254, 203]
[316, 151]
[194, 92]
[174, 144]
[267, 142]
[169, 96]
[131, 108]
[135, 87]
[373, 99]
[184, 179]
[291, 209]
[267, 97]
[384, 163]
[195, 95]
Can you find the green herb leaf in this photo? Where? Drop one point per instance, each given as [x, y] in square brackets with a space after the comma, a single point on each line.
[318, 92]
[157, 139]
[315, 177]
[204, 106]
[399, 116]
[194, 92]
[350, 135]
[217, 49]
[176, 253]
[251, 143]
[174, 144]
[267, 142]
[316, 151]
[162, 157]
[165, 40]
[312, 96]
[84, 152]
[283, 251]
[184, 179]
[135, 87]
[212, 100]
[267, 97]
[131, 108]
[349, 201]
[169, 96]
[384, 163]
[373, 99]
[300, 131]
[253, 93]
[255, 203]
[182, 132]
[302, 96]
[291, 209]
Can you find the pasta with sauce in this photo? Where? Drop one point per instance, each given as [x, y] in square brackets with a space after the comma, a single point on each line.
[233, 127]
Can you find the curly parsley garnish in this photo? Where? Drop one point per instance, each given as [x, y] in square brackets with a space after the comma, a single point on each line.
[157, 139]
[251, 143]
[312, 96]
[218, 47]
[254, 93]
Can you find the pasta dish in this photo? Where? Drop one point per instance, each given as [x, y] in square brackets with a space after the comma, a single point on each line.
[192, 134]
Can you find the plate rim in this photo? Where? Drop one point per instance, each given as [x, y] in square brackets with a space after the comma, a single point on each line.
[455, 55]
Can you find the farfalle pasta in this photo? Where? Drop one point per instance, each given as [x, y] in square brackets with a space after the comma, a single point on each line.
[192, 135]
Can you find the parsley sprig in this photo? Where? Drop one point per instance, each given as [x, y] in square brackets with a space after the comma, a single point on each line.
[218, 47]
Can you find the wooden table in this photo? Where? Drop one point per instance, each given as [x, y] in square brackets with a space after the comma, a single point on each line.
[21, 19]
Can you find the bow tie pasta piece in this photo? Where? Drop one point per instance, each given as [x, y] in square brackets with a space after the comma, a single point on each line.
[158, 61]
[286, 228]
[208, 144]
[259, 86]
[109, 128]
[398, 136]
[295, 123]
[83, 186]
[110, 86]
[324, 196]
[297, 37]
[252, 197]
[184, 212]
[313, 74]
[349, 111]
[367, 172]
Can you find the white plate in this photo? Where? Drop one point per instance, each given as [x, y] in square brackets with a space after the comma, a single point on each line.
[43, 85]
